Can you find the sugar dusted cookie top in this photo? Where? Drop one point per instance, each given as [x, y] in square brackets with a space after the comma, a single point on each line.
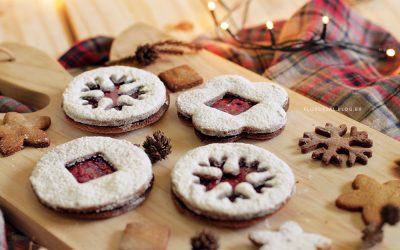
[266, 116]
[113, 96]
[232, 181]
[58, 186]
[289, 237]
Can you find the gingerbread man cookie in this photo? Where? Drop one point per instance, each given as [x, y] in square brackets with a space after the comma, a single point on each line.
[93, 177]
[115, 99]
[18, 131]
[370, 197]
[232, 185]
[289, 237]
[231, 107]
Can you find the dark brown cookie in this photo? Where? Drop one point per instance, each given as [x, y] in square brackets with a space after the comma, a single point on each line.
[216, 139]
[220, 223]
[94, 213]
[336, 142]
[118, 130]
[180, 78]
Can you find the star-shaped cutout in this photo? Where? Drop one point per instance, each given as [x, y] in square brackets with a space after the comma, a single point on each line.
[370, 197]
[18, 131]
[290, 236]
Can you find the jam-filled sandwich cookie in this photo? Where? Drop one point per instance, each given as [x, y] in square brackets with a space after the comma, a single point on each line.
[115, 99]
[231, 107]
[231, 185]
[93, 177]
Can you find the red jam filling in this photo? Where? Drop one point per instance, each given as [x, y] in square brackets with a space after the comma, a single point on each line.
[245, 169]
[232, 104]
[113, 95]
[91, 168]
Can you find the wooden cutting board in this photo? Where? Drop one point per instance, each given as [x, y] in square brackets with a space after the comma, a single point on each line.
[39, 80]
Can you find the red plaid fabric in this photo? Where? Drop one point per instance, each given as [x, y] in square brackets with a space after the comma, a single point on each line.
[358, 85]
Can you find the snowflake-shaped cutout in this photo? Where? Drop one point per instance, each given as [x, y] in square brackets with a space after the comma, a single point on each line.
[217, 172]
[329, 142]
[119, 90]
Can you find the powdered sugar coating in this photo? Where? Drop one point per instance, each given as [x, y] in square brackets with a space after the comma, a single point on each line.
[289, 237]
[266, 116]
[141, 108]
[214, 203]
[57, 187]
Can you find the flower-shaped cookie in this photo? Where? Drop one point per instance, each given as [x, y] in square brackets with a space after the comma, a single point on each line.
[289, 236]
[230, 107]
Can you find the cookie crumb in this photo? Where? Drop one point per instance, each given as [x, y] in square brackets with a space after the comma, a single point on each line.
[205, 240]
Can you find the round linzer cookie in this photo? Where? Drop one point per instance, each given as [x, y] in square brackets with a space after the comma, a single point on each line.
[115, 99]
[93, 177]
[231, 107]
[232, 184]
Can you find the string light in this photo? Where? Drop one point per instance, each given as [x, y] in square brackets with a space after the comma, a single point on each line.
[325, 21]
[390, 52]
[224, 26]
[270, 27]
[211, 5]
[301, 45]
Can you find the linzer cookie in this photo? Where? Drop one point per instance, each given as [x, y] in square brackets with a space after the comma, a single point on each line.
[93, 177]
[180, 78]
[329, 142]
[369, 196]
[289, 236]
[115, 99]
[232, 184]
[231, 107]
[17, 131]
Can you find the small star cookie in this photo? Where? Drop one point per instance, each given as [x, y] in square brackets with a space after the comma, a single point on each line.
[370, 197]
[18, 131]
[289, 237]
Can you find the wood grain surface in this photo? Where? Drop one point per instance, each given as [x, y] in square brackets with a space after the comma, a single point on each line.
[312, 206]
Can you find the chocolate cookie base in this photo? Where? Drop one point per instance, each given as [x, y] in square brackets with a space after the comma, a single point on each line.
[223, 139]
[122, 129]
[100, 215]
[220, 223]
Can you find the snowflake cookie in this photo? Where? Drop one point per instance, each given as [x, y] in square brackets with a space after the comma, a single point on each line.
[115, 99]
[328, 149]
[231, 184]
[231, 107]
[289, 237]
[93, 177]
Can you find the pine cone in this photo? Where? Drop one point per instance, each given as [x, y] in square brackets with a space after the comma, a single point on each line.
[205, 241]
[146, 55]
[157, 147]
[372, 235]
[390, 214]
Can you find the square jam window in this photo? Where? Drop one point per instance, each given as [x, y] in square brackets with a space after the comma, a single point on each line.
[232, 104]
[90, 168]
